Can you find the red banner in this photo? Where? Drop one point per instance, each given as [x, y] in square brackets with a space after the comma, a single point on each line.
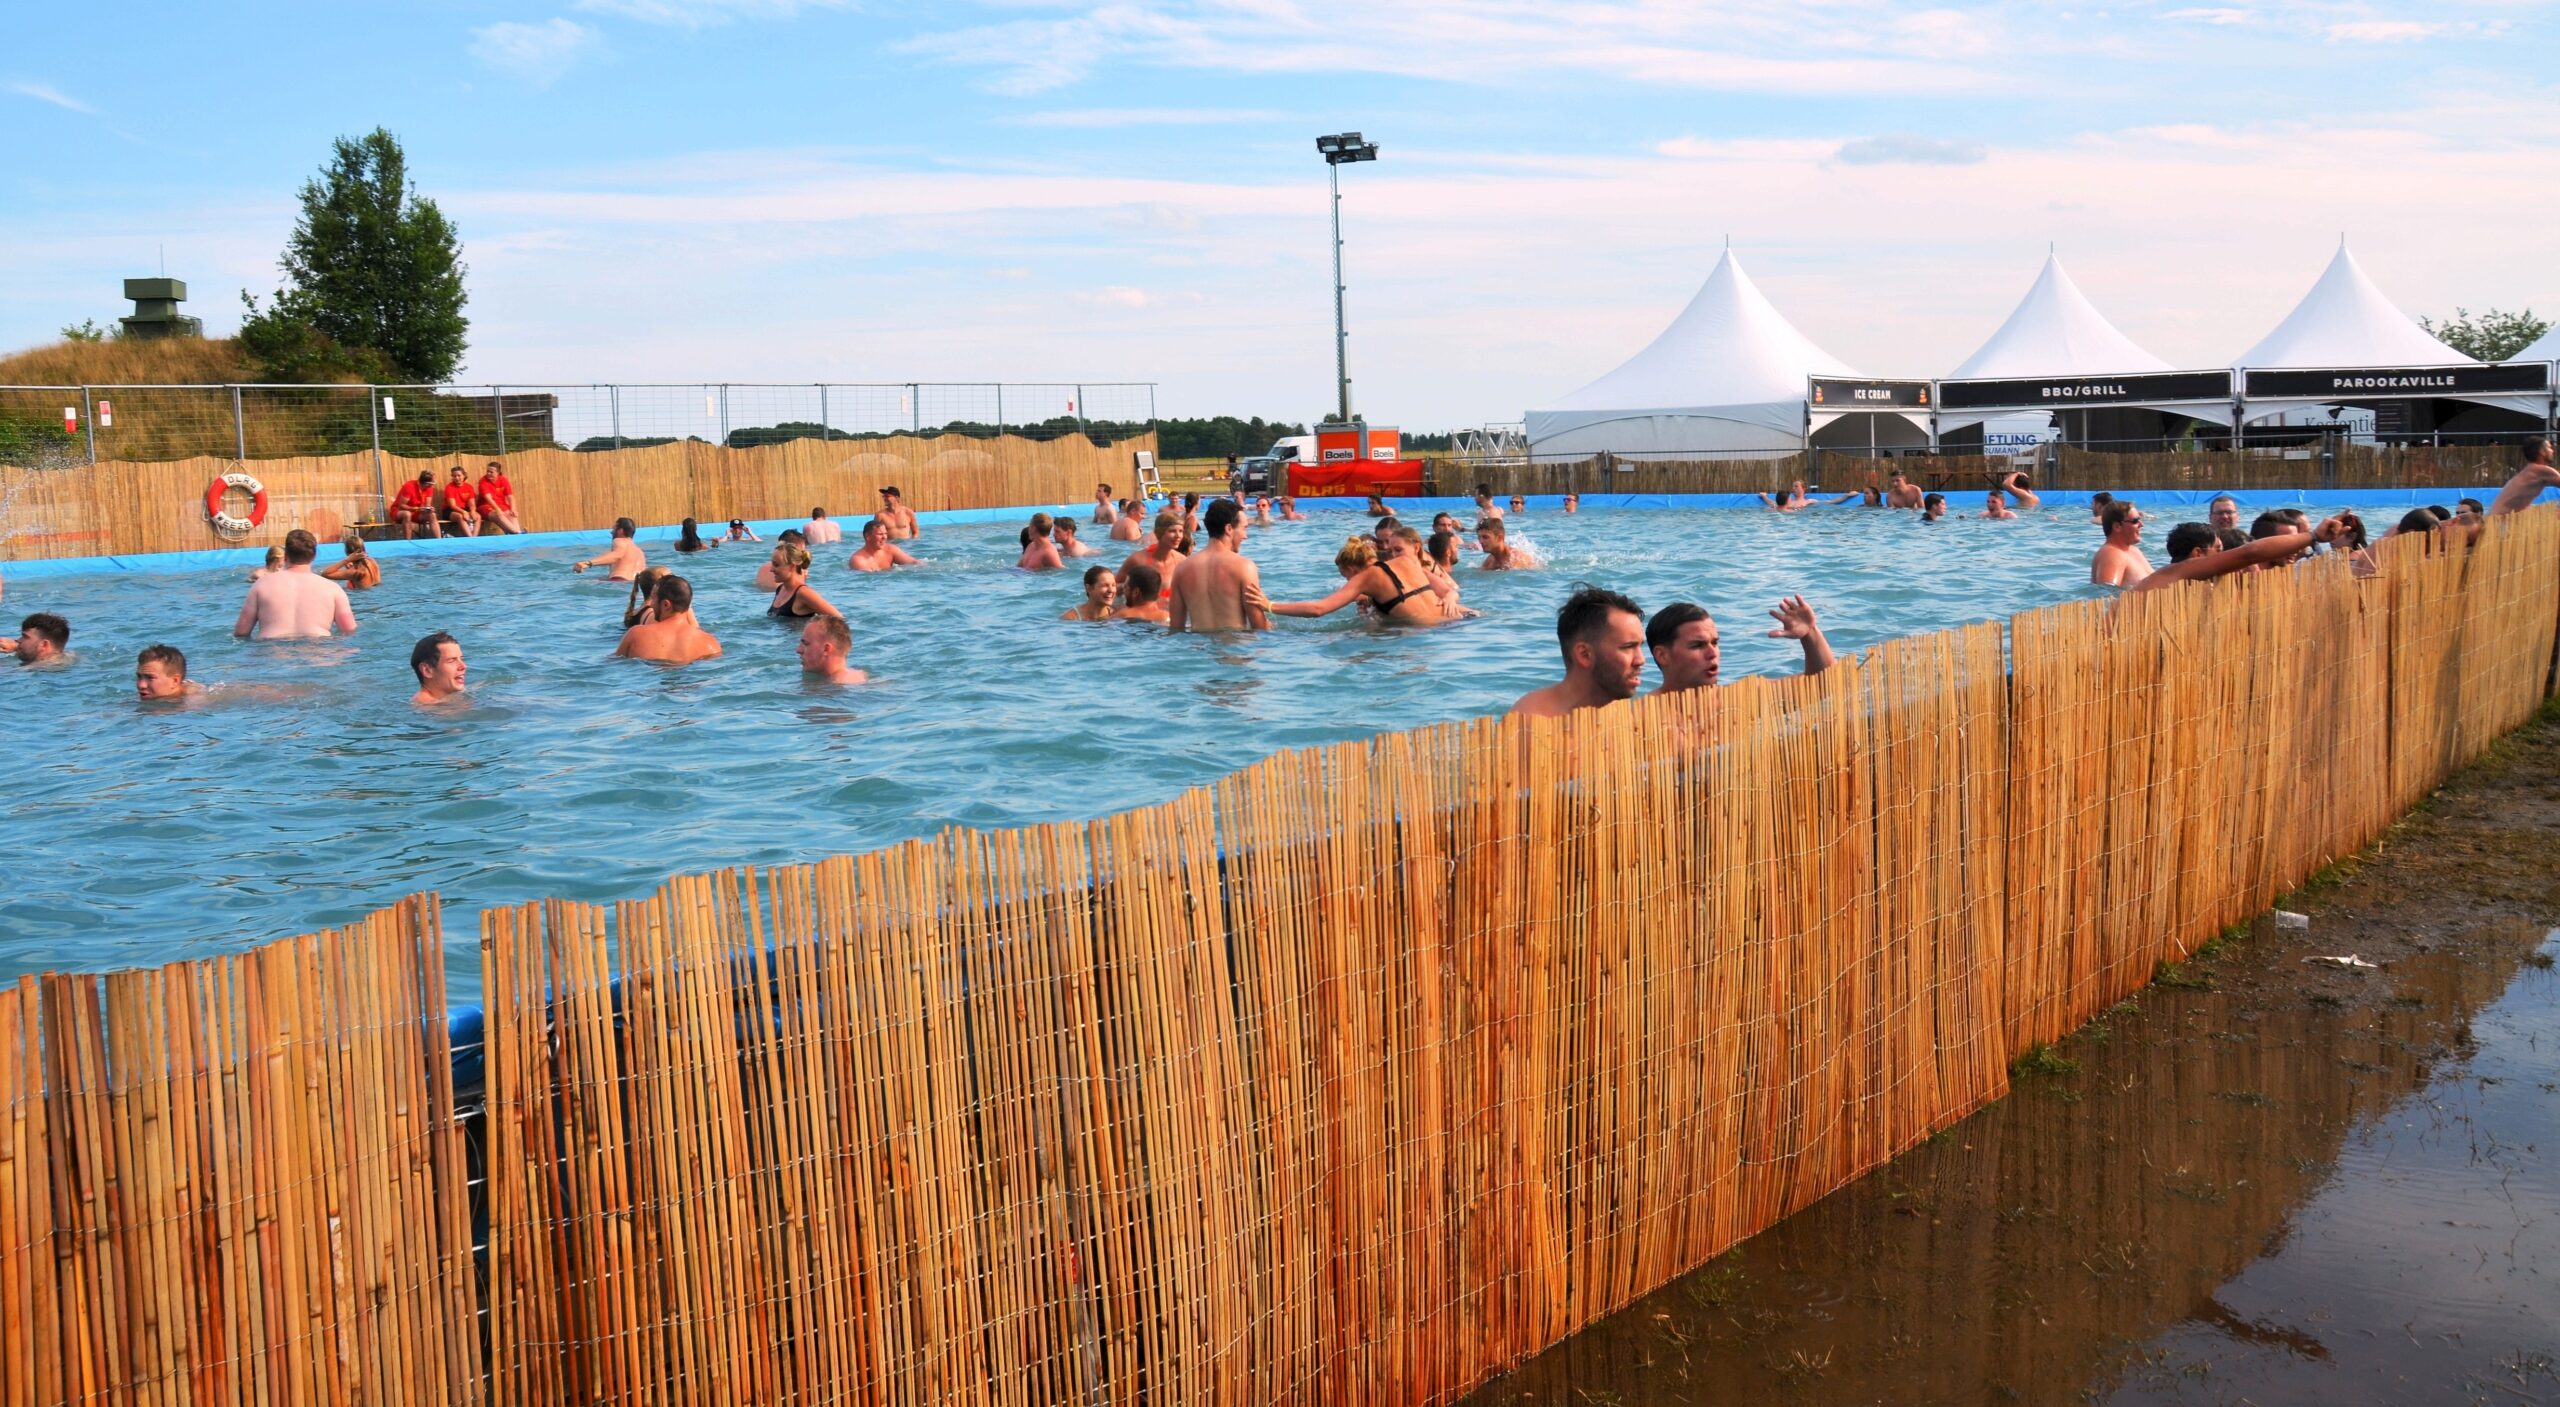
[1357, 478]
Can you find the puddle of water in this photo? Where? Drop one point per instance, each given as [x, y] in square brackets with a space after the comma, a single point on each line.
[2238, 1196]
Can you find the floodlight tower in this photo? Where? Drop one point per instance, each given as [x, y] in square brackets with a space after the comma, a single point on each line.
[1337, 149]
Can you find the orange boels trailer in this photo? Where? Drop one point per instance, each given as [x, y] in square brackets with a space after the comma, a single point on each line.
[1354, 461]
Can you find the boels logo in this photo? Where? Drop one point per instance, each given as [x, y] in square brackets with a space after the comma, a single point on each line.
[1340, 456]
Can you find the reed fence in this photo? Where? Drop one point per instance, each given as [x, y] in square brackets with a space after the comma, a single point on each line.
[120, 506]
[1356, 1077]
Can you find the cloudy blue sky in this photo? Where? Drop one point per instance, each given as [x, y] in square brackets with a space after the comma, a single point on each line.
[795, 190]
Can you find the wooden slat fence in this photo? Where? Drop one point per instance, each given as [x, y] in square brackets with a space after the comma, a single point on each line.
[1358, 1076]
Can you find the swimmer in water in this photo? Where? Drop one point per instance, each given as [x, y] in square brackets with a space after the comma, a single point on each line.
[644, 588]
[1039, 552]
[1933, 507]
[1101, 596]
[2098, 506]
[793, 597]
[824, 642]
[894, 512]
[2016, 486]
[437, 663]
[1103, 512]
[275, 563]
[1790, 499]
[1131, 525]
[1219, 588]
[786, 538]
[1519, 504]
[1377, 507]
[820, 530]
[1602, 636]
[1687, 649]
[877, 553]
[1484, 503]
[1262, 510]
[2222, 512]
[1289, 510]
[671, 635]
[1995, 508]
[623, 559]
[43, 638]
[160, 676]
[740, 532]
[1573, 503]
[689, 538]
[2119, 560]
[296, 603]
[1499, 554]
[1900, 492]
[1141, 594]
[1165, 553]
[1396, 586]
[1069, 544]
[358, 569]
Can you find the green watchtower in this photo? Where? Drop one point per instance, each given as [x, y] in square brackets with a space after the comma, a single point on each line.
[155, 309]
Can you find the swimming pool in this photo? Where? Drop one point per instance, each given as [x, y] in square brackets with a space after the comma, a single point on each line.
[138, 836]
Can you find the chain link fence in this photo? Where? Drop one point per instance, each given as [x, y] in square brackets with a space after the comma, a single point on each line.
[53, 427]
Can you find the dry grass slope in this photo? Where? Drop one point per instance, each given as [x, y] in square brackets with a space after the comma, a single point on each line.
[172, 361]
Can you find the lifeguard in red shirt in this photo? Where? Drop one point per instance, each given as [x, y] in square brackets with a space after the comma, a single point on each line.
[459, 496]
[413, 508]
[497, 501]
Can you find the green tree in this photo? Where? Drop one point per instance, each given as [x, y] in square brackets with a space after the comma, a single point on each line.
[372, 268]
[85, 330]
[2492, 336]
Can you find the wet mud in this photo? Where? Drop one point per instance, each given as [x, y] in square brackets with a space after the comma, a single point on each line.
[2261, 1180]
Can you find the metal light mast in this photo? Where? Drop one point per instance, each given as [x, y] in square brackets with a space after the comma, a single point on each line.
[1337, 149]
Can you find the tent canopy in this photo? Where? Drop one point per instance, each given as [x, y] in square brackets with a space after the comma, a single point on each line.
[2545, 348]
[1727, 376]
[2055, 331]
[2346, 321]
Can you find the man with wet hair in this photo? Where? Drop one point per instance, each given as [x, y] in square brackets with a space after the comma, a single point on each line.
[2020, 491]
[160, 675]
[1933, 507]
[2196, 552]
[437, 663]
[1900, 492]
[895, 512]
[2098, 505]
[1164, 552]
[1601, 633]
[671, 635]
[1218, 587]
[821, 529]
[2119, 560]
[42, 639]
[1494, 540]
[824, 642]
[877, 553]
[1688, 649]
[623, 559]
[295, 603]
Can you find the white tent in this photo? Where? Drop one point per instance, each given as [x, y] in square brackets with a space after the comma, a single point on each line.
[1726, 378]
[2346, 321]
[2545, 349]
[2055, 331]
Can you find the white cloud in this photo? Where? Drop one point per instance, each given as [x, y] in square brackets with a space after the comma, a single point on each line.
[45, 93]
[2210, 16]
[1146, 117]
[1904, 149]
[536, 52]
[703, 14]
[1117, 296]
[2394, 31]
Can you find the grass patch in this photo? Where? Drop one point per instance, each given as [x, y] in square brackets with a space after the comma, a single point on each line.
[2042, 1059]
[2177, 974]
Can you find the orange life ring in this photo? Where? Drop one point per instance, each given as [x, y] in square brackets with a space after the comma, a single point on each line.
[223, 522]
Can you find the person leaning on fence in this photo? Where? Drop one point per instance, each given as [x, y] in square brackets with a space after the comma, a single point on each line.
[2540, 471]
[1688, 649]
[2196, 552]
[1602, 636]
[624, 559]
[414, 506]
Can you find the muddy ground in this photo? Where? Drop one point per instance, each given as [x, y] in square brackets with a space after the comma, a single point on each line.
[2260, 1180]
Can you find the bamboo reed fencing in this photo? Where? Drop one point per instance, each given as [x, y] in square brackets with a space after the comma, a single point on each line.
[1360, 1075]
[121, 506]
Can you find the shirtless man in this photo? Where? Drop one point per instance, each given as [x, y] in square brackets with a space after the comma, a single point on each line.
[1219, 588]
[1499, 554]
[497, 501]
[2538, 472]
[877, 553]
[414, 506]
[1103, 512]
[820, 530]
[1995, 508]
[296, 603]
[1039, 550]
[1101, 596]
[437, 663]
[2196, 552]
[459, 497]
[1130, 526]
[160, 676]
[1791, 499]
[894, 512]
[358, 569]
[1289, 510]
[1070, 545]
[2015, 485]
[671, 636]
[624, 557]
[1141, 594]
[1688, 650]
[1519, 504]
[824, 642]
[2119, 560]
[1484, 503]
[1602, 636]
[1900, 492]
[2098, 505]
[42, 639]
[1164, 553]
[1573, 503]
[1262, 510]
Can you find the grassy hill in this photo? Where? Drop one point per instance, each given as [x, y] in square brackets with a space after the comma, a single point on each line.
[167, 361]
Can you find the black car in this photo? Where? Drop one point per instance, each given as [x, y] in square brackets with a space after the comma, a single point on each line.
[1258, 474]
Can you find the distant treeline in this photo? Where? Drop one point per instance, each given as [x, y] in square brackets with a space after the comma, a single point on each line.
[1212, 438]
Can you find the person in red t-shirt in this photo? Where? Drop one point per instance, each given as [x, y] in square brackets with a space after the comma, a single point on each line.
[497, 501]
[459, 495]
[414, 507]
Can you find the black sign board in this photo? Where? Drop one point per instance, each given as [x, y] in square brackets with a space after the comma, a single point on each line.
[1849, 393]
[2397, 382]
[2055, 391]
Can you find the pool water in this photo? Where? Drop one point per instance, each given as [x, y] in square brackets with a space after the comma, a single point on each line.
[309, 791]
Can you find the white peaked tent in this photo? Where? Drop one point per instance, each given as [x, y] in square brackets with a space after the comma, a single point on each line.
[2345, 321]
[2055, 331]
[2546, 348]
[1726, 378]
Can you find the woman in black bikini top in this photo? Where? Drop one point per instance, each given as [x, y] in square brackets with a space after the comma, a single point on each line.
[793, 597]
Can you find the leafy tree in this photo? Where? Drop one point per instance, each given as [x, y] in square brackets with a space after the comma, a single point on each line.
[373, 275]
[2492, 336]
[1220, 435]
[85, 330]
